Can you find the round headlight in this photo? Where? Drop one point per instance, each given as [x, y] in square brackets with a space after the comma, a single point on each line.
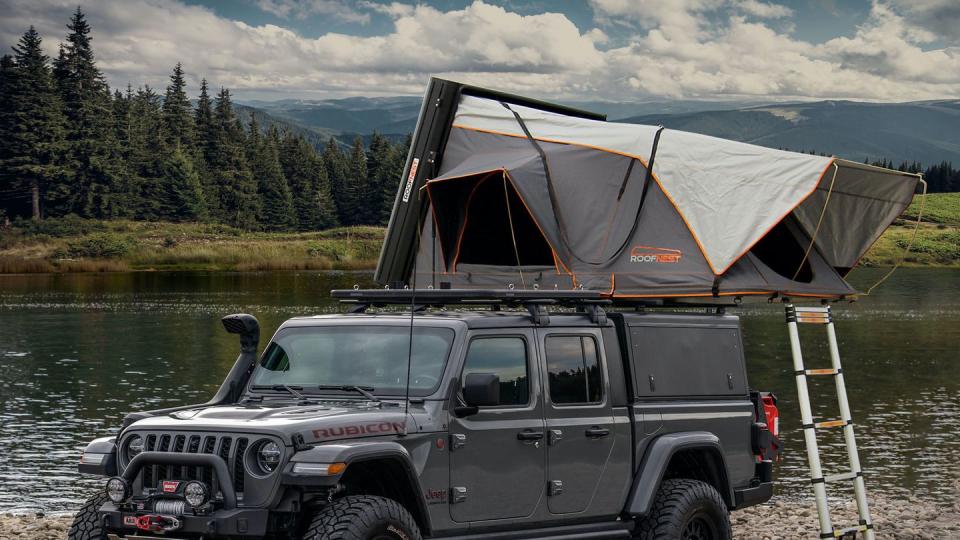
[135, 446]
[196, 493]
[268, 456]
[118, 489]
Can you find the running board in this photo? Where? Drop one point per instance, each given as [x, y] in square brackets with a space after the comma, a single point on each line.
[604, 530]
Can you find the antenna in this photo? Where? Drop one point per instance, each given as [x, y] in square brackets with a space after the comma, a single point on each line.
[413, 297]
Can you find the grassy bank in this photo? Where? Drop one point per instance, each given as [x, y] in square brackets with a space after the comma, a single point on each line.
[75, 245]
[938, 239]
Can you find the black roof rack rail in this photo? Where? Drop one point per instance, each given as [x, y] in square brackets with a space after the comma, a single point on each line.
[517, 297]
[535, 301]
[440, 297]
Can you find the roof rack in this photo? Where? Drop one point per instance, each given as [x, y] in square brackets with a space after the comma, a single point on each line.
[535, 301]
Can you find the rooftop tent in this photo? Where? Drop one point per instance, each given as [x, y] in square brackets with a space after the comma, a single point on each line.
[522, 196]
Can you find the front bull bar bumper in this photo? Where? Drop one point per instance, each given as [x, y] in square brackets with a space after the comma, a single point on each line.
[226, 521]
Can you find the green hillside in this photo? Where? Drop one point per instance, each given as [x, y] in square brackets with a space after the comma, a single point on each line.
[939, 208]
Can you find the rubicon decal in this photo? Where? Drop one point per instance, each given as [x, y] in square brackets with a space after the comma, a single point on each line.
[647, 254]
[370, 428]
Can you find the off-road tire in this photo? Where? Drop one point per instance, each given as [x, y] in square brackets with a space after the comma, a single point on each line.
[86, 523]
[362, 517]
[688, 510]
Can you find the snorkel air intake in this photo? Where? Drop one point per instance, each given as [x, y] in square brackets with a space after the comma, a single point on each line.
[248, 328]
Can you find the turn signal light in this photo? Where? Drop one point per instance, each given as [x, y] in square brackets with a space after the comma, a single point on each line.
[319, 469]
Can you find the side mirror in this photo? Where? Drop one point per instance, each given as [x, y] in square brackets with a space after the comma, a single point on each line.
[481, 390]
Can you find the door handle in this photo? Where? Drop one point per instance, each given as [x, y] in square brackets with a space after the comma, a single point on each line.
[597, 432]
[529, 435]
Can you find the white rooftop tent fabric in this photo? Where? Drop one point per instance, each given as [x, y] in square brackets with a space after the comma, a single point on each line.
[729, 194]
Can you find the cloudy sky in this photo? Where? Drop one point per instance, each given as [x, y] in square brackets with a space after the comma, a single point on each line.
[620, 50]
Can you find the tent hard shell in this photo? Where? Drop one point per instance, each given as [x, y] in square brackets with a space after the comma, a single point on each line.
[502, 192]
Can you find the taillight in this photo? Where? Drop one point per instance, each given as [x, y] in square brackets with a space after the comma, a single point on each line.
[772, 414]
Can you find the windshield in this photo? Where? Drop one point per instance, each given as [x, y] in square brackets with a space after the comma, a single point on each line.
[374, 357]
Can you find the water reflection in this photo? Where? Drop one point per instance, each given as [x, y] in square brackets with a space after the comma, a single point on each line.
[79, 351]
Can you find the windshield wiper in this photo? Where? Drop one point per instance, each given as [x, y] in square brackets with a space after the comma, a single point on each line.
[364, 390]
[292, 390]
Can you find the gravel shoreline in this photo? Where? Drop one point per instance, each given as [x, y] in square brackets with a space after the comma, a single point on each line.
[894, 518]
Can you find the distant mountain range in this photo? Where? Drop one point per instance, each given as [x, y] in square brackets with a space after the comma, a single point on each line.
[924, 131]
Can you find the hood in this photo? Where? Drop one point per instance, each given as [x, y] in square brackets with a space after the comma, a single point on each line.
[314, 423]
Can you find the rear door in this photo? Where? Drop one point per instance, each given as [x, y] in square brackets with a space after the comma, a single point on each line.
[579, 416]
[498, 456]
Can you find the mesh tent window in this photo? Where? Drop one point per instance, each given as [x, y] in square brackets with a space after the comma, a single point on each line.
[783, 250]
[481, 219]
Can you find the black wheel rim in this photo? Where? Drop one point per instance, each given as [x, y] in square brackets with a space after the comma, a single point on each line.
[698, 527]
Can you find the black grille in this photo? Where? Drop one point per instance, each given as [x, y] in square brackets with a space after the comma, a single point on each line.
[230, 448]
[238, 472]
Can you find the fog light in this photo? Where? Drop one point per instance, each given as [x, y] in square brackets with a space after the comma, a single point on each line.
[118, 489]
[196, 493]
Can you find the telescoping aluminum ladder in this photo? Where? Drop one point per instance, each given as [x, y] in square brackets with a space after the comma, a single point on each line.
[822, 316]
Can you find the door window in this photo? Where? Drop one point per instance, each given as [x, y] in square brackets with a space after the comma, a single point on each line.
[505, 357]
[573, 369]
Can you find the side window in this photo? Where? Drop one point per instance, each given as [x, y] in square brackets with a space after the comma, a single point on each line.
[573, 369]
[505, 357]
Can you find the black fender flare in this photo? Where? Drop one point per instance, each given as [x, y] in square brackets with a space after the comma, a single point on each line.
[106, 449]
[657, 458]
[353, 453]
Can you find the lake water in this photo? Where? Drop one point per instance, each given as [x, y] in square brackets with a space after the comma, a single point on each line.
[77, 352]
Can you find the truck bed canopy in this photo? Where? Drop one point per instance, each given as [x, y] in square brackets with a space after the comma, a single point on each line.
[524, 196]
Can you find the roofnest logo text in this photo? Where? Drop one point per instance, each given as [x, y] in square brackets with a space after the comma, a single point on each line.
[647, 254]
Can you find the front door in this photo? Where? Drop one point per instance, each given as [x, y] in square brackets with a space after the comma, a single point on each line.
[580, 423]
[498, 456]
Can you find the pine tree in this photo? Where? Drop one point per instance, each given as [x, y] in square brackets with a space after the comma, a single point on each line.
[205, 143]
[327, 216]
[95, 186]
[146, 156]
[306, 174]
[393, 179]
[356, 188]
[227, 165]
[32, 125]
[123, 126]
[277, 212]
[337, 172]
[378, 174]
[183, 197]
[177, 117]
[11, 198]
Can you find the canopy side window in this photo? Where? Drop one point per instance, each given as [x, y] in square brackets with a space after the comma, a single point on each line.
[481, 219]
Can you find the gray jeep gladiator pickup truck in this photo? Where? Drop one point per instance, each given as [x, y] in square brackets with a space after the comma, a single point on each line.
[566, 419]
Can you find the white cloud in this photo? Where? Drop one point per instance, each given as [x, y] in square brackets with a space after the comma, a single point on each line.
[302, 9]
[598, 36]
[764, 10]
[680, 16]
[709, 51]
[705, 49]
[939, 16]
